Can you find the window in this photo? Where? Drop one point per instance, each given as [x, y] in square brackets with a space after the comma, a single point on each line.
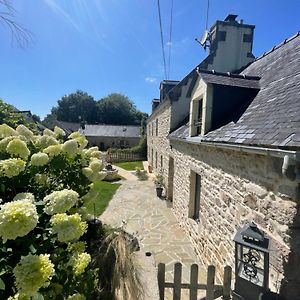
[156, 159]
[195, 196]
[197, 117]
[152, 129]
[156, 127]
[152, 156]
[161, 162]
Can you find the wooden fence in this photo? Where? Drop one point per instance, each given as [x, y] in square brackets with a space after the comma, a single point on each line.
[120, 156]
[213, 291]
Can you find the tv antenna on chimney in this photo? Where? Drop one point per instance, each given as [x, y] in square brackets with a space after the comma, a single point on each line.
[205, 38]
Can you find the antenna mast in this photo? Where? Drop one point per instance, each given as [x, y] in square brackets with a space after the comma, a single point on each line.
[205, 38]
[207, 11]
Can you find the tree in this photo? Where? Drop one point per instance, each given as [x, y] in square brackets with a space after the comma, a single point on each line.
[79, 107]
[12, 117]
[118, 109]
[76, 107]
[7, 17]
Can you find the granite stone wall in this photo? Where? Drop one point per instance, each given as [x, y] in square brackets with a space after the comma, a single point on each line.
[237, 188]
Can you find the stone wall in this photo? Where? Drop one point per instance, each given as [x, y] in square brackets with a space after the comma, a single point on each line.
[112, 142]
[159, 145]
[237, 188]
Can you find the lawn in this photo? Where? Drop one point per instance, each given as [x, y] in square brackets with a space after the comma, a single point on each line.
[101, 195]
[130, 165]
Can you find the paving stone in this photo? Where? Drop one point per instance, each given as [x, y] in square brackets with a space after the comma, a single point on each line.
[136, 207]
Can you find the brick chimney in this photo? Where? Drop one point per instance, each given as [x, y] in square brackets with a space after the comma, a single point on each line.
[230, 45]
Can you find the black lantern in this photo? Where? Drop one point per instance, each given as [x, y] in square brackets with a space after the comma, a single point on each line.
[252, 249]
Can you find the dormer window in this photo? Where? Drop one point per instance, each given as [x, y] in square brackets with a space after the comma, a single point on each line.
[196, 124]
[198, 121]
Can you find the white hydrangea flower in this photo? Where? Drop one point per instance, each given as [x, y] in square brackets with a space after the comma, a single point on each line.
[24, 131]
[49, 132]
[45, 141]
[88, 151]
[58, 131]
[24, 196]
[79, 138]
[96, 154]
[79, 262]
[17, 219]
[76, 297]
[12, 167]
[74, 135]
[39, 159]
[6, 131]
[68, 227]
[32, 273]
[98, 176]
[4, 142]
[60, 201]
[96, 165]
[70, 147]
[53, 150]
[18, 148]
[88, 172]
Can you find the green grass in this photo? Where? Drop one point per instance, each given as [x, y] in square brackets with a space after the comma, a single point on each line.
[130, 165]
[101, 195]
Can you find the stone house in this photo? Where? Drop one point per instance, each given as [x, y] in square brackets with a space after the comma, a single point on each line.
[112, 136]
[105, 136]
[226, 138]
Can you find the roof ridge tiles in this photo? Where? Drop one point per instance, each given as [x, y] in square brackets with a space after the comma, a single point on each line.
[287, 40]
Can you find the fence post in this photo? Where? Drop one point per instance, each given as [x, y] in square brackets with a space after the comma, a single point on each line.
[177, 281]
[194, 282]
[161, 280]
[210, 289]
[227, 283]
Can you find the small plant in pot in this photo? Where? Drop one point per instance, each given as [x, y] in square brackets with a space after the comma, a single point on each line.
[159, 183]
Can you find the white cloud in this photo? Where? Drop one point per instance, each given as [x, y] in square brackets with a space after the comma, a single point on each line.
[151, 79]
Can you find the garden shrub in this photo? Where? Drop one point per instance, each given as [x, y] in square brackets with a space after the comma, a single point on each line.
[43, 179]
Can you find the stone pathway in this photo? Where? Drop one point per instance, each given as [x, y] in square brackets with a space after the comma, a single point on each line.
[136, 207]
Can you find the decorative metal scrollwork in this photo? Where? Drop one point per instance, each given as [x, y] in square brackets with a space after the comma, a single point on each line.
[251, 258]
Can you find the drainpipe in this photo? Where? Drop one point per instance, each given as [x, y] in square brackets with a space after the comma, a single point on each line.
[290, 169]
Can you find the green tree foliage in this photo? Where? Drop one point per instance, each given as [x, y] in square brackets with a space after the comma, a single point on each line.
[118, 109]
[10, 115]
[76, 107]
[114, 109]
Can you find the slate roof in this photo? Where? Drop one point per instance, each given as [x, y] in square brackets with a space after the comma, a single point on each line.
[111, 131]
[230, 79]
[273, 117]
[68, 127]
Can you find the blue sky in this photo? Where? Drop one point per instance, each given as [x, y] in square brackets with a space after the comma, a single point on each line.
[105, 46]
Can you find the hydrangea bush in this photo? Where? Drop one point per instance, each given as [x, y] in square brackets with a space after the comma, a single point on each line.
[44, 179]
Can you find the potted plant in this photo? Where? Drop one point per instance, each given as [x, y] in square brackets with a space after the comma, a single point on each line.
[159, 183]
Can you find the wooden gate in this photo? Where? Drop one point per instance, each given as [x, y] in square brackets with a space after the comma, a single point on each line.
[213, 290]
